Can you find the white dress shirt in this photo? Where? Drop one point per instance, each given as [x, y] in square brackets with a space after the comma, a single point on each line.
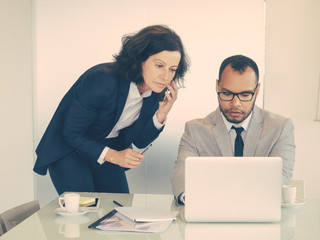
[232, 137]
[232, 132]
[129, 115]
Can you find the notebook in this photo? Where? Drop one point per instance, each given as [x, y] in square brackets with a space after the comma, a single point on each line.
[233, 189]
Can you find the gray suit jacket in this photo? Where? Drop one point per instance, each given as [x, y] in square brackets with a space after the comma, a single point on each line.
[268, 135]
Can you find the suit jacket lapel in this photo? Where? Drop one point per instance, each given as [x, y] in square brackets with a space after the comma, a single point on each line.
[123, 89]
[131, 132]
[253, 134]
[147, 105]
[122, 98]
[146, 108]
[220, 133]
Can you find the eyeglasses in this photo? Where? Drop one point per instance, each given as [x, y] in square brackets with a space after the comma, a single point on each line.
[242, 96]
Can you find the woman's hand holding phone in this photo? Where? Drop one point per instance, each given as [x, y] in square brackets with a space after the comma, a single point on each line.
[170, 97]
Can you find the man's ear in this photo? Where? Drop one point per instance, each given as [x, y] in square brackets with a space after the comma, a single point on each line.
[258, 89]
[217, 85]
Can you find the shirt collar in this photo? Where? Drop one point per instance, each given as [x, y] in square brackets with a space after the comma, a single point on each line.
[134, 92]
[243, 124]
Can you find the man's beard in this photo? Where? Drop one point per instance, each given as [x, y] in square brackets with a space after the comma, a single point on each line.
[242, 112]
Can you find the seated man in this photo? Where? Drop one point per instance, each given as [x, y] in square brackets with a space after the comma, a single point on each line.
[237, 127]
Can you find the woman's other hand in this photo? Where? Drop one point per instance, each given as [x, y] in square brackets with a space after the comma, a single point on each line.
[126, 158]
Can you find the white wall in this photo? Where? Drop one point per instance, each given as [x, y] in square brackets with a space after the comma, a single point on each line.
[73, 35]
[292, 65]
[16, 138]
[293, 78]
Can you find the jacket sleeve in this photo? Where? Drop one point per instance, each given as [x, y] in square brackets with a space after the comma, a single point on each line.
[187, 148]
[284, 147]
[149, 131]
[91, 95]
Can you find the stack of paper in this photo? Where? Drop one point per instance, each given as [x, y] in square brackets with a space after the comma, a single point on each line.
[138, 219]
[142, 214]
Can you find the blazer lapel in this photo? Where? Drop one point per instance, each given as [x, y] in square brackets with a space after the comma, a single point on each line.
[220, 133]
[253, 134]
[131, 132]
[122, 98]
[147, 105]
[146, 108]
[123, 89]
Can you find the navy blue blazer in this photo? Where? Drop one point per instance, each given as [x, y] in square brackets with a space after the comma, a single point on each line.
[87, 114]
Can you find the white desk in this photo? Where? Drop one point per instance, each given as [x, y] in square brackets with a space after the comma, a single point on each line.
[302, 223]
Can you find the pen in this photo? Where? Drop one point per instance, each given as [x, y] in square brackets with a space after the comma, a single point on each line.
[146, 148]
[115, 202]
[108, 215]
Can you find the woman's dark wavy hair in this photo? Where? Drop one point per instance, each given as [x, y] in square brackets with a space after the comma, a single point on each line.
[139, 47]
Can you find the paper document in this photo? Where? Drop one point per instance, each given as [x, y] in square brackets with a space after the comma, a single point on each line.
[143, 214]
[119, 222]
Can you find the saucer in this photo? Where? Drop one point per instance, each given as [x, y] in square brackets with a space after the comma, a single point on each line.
[62, 212]
[298, 202]
[70, 220]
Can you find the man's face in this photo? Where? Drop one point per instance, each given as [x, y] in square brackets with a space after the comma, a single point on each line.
[236, 111]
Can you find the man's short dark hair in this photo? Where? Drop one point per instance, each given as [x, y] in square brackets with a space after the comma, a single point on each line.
[239, 63]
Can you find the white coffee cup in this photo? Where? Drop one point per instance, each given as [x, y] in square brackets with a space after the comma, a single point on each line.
[70, 230]
[289, 193]
[71, 202]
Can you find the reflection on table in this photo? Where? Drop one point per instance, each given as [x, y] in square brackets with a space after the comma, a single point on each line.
[297, 223]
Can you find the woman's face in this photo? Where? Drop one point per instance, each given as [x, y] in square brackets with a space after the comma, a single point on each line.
[158, 70]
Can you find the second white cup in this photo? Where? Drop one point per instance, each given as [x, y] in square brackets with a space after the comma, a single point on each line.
[289, 193]
[70, 230]
[71, 202]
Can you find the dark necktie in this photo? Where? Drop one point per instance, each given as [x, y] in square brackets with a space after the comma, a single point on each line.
[238, 143]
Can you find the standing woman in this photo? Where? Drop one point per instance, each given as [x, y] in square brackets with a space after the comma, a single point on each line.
[88, 144]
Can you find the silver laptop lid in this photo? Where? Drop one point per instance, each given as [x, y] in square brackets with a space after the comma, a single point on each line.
[233, 231]
[233, 189]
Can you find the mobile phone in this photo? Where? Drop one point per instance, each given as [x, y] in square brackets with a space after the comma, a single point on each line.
[162, 95]
[91, 206]
[95, 205]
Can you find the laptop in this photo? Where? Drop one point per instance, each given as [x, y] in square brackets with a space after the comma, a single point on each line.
[234, 231]
[233, 189]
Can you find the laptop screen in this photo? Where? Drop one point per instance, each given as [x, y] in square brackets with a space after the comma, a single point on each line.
[233, 189]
